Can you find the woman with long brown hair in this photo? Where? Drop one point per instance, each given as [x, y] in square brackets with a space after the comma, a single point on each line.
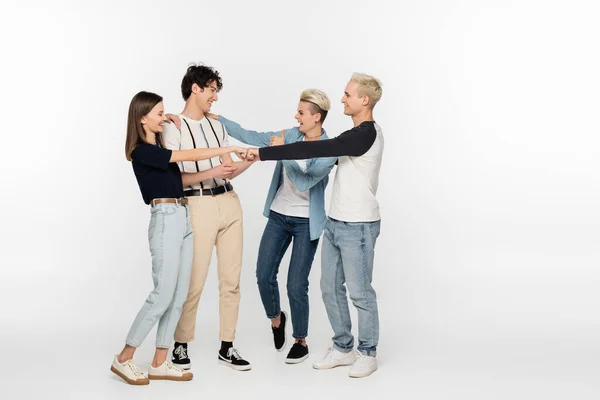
[169, 234]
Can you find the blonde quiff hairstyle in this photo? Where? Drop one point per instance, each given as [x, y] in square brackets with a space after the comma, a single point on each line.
[368, 86]
[318, 100]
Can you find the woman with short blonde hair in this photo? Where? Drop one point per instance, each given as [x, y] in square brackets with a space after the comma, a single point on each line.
[295, 207]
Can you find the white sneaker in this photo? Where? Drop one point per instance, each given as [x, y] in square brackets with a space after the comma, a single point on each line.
[129, 372]
[363, 366]
[334, 358]
[167, 371]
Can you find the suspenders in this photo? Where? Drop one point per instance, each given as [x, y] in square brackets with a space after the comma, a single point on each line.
[207, 145]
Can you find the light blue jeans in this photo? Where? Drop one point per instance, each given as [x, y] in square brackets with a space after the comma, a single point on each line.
[347, 257]
[171, 246]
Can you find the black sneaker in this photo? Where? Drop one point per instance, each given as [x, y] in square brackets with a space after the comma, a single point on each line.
[180, 358]
[297, 354]
[234, 360]
[279, 333]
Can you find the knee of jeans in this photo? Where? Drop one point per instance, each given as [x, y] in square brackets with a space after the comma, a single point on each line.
[297, 290]
[263, 277]
[326, 289]
[329, 282]
[359, 298]
[161, 303]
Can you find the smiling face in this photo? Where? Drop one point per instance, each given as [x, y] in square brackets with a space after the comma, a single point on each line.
[305, 117]
[155, 120]
[352, 101]
[204, 97]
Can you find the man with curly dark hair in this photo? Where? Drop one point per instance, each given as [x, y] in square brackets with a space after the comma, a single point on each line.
[215, 211]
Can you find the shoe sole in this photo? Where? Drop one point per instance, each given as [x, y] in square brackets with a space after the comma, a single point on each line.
[182, 366]
[138, 382]
[363, 375]
[284, 334]
[184, 378]
[236, 367]
[295, 360]
[332, 366]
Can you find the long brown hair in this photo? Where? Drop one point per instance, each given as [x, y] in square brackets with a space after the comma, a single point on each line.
[141, 104]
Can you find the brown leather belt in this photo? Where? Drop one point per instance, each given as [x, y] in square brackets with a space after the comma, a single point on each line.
[182, 201]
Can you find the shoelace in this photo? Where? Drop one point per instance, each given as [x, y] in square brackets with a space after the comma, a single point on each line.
[134, 368]
[233, 352]
[361, 358]
[170, 365]
[329, 354]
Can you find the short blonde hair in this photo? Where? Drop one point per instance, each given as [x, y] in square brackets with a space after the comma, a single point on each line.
[368, 86]
[319, 102]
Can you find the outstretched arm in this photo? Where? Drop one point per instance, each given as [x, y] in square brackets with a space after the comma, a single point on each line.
[204, 154]
[354, 142]
[235, 130]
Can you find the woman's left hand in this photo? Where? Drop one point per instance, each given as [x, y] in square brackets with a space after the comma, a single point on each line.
[278, 140]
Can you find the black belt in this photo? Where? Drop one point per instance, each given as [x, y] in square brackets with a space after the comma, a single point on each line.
[209, 192]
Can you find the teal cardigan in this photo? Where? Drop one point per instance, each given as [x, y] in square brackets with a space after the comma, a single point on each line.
[314, 179]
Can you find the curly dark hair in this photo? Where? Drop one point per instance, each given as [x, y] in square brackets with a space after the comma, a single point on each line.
[202, 76]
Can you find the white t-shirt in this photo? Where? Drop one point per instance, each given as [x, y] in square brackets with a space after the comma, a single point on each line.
[289, 200]
[355, 186]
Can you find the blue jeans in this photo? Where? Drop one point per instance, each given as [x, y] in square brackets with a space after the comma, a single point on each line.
[347, 257]
[276, 238]
[171, 246]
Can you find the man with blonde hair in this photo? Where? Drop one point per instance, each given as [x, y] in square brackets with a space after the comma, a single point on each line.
[352, 227]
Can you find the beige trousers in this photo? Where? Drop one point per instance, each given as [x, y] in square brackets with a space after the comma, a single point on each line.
[216, 221]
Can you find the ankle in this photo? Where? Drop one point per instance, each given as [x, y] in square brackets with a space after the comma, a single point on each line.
[123, 358]
[276, 322]
[226, 346]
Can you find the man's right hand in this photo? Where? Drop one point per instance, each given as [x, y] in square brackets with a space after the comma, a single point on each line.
[252, 154]
[239, 151]
[224, 171]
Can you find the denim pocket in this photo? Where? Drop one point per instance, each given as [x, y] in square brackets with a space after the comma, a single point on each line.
[164, 209]
[153, 226]
[374, 229]
[356, 230]
[157, 218]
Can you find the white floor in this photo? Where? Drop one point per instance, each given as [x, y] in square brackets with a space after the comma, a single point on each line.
[434, 344]
[409, 368]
